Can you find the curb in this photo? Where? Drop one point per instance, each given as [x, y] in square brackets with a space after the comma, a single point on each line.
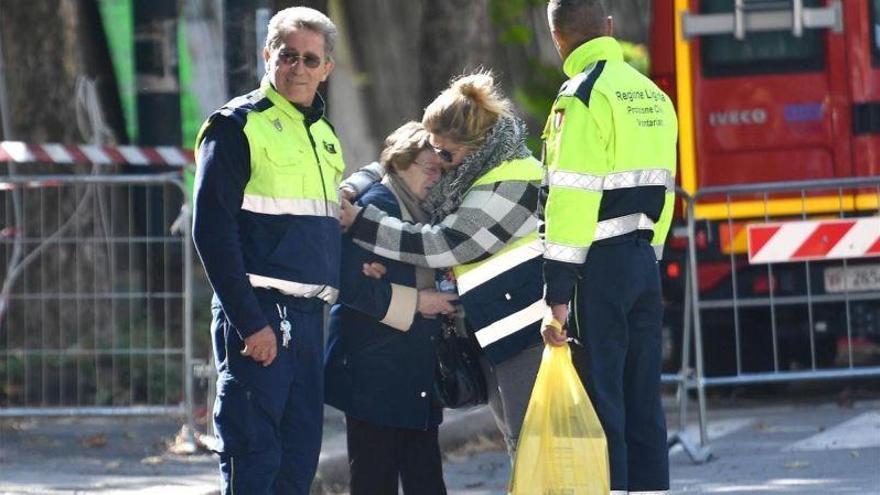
[458, 429]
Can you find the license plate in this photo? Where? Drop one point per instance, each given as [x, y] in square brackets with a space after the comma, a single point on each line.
[855, 279]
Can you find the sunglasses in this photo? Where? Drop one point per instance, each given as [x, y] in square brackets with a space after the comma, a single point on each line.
[446, 155]
[310, 60]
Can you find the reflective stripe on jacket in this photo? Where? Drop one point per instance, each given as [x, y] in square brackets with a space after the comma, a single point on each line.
[610, 153]
[289, 228]
[501, 294]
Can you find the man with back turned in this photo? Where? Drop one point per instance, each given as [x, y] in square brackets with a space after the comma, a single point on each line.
[610, 154]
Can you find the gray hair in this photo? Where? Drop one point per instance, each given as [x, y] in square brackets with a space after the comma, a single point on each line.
[293, 18]
[403, 146]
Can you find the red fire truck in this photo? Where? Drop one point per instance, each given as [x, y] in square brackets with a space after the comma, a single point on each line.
[770, 91]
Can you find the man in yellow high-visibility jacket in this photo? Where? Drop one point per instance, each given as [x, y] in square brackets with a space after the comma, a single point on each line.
[266, 228]
[610, 153]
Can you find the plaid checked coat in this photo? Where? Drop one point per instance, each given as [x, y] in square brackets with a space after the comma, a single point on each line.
[491, 231]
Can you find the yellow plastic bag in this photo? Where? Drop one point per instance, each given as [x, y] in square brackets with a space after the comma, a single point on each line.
[562, 448]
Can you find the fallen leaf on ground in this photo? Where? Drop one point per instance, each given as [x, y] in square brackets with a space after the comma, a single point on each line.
[95, 441]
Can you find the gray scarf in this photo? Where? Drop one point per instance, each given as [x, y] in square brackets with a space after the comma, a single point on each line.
[505, 141]
[411, 203]
[410, 209]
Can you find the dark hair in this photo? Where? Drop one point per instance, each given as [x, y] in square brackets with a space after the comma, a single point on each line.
[578, 20]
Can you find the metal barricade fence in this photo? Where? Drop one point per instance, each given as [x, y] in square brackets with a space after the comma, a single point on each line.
[97, 314]
[685, 377]
[782, 286]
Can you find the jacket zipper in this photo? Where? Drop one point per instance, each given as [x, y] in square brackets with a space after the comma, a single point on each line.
[321, 175]
[318, 164]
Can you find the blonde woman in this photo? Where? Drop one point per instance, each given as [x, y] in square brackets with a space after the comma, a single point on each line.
[483, 226]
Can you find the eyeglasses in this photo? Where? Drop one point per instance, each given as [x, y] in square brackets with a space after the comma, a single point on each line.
[446, 155]
[310, 60]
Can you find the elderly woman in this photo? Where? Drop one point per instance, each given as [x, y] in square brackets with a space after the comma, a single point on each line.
[484, 225]
[379, 366]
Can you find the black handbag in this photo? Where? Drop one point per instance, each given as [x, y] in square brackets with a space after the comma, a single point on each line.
[458, 378]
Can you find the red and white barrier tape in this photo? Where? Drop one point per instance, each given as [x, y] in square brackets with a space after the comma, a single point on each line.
[19, 152]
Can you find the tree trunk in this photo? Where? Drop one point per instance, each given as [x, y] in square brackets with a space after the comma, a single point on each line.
[406, 51]
[456, 38]
[47, 45]
[383, 36]
[54, 53]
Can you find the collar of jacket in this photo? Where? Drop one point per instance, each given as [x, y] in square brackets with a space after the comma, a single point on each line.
[317, 108]
[602, 48]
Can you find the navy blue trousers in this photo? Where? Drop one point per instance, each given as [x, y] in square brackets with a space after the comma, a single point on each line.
[269, 420]
[617, 317]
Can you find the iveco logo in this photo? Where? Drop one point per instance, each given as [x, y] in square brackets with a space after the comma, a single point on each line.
[738, 117]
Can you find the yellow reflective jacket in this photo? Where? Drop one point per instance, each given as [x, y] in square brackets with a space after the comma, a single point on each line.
[610, 157]
[287, 226]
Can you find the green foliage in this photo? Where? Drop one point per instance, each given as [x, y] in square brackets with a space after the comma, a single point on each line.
[535, 96]
[516, 35]
[637, 56]
[507, 16]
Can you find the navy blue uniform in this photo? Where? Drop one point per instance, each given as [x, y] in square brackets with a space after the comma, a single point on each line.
[607, 205]
[269, 419]
[269, 240]
[617, 316]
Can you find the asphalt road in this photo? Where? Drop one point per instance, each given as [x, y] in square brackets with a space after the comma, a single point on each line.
[807, 446]
[803, 442]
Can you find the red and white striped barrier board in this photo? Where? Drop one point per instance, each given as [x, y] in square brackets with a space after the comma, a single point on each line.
[814, 240]
[19, 152]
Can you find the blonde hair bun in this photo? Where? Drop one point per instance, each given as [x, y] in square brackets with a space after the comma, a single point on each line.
[478, 87]
[467, 109]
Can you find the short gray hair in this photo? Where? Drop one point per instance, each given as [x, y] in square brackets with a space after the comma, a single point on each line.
[293, 18]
